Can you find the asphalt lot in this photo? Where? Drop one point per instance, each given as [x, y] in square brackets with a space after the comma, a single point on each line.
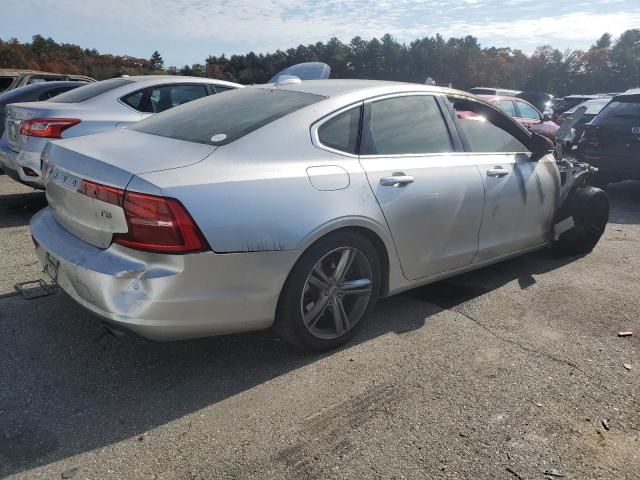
[501, 374]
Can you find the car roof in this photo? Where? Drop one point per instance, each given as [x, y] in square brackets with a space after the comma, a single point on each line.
[366, 88]
[177, 79]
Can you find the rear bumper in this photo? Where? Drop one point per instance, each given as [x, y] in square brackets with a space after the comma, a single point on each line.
[13, 163]
[165, 297]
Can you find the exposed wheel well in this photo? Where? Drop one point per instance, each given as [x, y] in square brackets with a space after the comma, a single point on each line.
[378, 244]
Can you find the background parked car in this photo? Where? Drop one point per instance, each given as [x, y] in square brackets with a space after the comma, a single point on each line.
[528, 116]
[35, 92]
[544, 102]
[570, 101]
[611, 141]
[12, 78]
[591, 109]
[505, 92]
[92, 108]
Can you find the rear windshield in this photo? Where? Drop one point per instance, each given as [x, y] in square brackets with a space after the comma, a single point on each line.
[593, 106]
[621, 110]
[221, 119]
[91, 90]
[483, 91]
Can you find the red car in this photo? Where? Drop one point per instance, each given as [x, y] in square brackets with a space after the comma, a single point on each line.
[527, 115]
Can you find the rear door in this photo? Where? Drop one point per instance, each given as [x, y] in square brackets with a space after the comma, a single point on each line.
[430, 191]
[520, 194]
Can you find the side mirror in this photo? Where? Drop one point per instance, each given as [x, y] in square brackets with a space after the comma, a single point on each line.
[540, 146]
[546, 117]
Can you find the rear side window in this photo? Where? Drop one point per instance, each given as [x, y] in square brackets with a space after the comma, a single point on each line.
[91, 90]
[621, 111]
[169, 96]
[507, 107]
[484, 135]
[221, 119]
[405, 125]
[135, 100]
[342, 131]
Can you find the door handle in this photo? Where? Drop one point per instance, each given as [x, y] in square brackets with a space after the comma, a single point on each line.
[497, 172]
[397, 179]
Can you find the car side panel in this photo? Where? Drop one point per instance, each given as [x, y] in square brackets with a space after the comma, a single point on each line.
[249, 200]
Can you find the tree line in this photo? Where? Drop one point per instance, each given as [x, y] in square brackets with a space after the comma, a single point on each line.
[608, 65]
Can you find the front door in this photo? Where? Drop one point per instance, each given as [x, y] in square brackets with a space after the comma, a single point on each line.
[520, 193]
[431, 196]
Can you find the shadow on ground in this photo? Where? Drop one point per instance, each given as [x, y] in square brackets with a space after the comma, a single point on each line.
[66, 388]
[75, 390]
[17, 209]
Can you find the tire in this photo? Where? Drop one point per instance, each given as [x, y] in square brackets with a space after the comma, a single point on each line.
[589, 207]
[306, 290]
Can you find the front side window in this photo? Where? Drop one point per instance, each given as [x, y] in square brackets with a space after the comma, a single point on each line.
[405, 125]
[342, 131]
[485, 130]
[222, 119]
[508, 107]
[527, 111]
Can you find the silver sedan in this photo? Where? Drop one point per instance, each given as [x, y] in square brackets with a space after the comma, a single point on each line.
[297, 205]
[96, 107]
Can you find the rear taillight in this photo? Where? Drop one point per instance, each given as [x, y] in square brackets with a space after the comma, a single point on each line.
[155, 224]
[46, 127]
[102, 192]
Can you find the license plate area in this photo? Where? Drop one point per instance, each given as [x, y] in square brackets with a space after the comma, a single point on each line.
[51, 267]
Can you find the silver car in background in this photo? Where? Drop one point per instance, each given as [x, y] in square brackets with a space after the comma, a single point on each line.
[297, 205]
[96, 107]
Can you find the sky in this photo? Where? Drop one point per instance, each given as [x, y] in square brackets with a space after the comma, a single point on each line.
[187, 31]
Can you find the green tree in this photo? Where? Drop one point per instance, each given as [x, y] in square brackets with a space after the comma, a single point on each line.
[156, 61]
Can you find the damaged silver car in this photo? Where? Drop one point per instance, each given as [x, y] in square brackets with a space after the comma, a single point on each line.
[297, 205]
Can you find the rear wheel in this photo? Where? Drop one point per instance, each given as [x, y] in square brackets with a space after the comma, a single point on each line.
[589, 207]
[329, 293]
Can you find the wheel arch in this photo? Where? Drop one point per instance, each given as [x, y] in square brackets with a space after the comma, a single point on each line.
[379, 237]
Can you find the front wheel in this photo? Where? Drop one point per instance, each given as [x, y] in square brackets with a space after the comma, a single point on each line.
[331, 290]
[589, 207]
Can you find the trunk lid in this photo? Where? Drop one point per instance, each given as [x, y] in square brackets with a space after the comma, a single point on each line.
[18, 112]
[110, 159]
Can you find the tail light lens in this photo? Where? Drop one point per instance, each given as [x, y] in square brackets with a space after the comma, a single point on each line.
[46, 127]
[155, 224]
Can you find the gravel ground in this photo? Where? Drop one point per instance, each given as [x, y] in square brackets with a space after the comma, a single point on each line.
[501, 373]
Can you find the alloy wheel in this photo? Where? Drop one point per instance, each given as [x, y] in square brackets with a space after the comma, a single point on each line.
[336, 293]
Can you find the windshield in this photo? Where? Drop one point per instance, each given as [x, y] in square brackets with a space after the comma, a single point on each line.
[221, 119]
[91, 90]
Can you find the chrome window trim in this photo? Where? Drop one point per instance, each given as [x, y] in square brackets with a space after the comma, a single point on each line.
[315, 139]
